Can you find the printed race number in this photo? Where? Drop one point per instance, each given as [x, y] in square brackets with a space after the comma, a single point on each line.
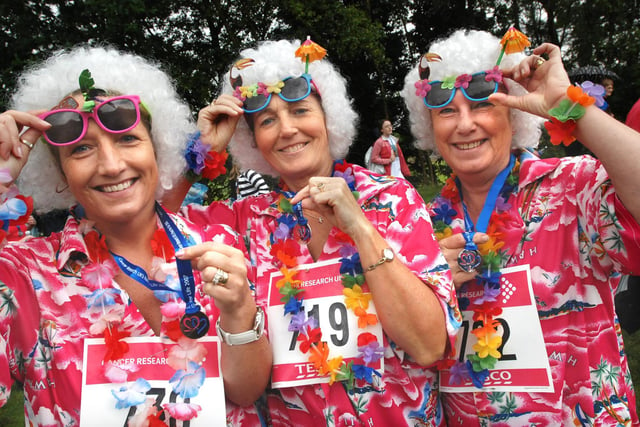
[337, 319]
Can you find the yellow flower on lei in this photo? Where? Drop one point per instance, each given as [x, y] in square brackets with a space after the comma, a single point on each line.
[354, 298]
[333, 366]
[444, 233]
[488, 346]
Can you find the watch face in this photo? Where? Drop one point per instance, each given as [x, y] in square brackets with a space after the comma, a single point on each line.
[388, 254]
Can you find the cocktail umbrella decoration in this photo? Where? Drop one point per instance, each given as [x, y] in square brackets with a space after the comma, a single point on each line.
[310, 51]
[512, 42]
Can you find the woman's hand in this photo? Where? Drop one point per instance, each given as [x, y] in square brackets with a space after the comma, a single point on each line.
[451, 247]
[14, 146]
[545, 80]
[217, 122]
[233, 297]
[332, 198]
[246, 367]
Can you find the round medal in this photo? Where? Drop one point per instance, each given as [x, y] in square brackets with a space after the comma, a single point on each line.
[469, 260]
[194, 325]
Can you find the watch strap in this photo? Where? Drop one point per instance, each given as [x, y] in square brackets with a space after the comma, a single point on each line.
[382, 260]
[246, 337]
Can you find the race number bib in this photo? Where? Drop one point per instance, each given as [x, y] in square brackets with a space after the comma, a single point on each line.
[324, 300]
[524, 365]
[98, 405]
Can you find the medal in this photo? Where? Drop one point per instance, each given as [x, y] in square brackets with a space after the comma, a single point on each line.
[194, 325]
[469, 260]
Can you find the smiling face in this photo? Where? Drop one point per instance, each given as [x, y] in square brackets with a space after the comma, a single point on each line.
[113, 176]
[292, 137]
[474, 138]
[608, 86]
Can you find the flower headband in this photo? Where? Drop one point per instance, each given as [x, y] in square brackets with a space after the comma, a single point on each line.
[513, 41]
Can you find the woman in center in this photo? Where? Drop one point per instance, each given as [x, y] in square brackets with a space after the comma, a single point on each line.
[360, 300]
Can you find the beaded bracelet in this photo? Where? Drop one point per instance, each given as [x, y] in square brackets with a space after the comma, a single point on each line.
[564, 116]
[202, 162]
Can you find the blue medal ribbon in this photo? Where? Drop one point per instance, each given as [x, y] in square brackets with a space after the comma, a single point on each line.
[139, 275]
[489, 203]
[187, 281]
[469, 258]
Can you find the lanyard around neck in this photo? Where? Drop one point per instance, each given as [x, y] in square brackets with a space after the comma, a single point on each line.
[178, 241]
[490, 201]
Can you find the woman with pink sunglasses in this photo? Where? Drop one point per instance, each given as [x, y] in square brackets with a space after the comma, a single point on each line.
[107, 322]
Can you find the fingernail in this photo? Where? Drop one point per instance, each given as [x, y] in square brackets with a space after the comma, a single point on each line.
[19, 151]
[179, 253]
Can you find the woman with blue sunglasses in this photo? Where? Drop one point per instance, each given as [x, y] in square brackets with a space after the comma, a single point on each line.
[536, 246]
[105, 322]
[359, 311]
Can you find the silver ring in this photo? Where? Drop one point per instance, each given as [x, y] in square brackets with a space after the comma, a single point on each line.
[27, 143]
[221, 277]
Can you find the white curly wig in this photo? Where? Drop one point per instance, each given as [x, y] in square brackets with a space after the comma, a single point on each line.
[275, 61]
[44, 85]
[468, 51]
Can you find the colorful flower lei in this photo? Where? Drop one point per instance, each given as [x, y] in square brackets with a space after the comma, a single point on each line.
[185, 356]
[285, 250]
[15, 208]
[564, 116]
[202, 162]
[484, 308]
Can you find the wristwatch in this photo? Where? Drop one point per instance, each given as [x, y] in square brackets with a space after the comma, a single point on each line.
[387, 256]
[244, 337]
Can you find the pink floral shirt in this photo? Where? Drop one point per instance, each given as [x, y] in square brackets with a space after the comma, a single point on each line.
[568, 225]
[407, 393]
[44, 319]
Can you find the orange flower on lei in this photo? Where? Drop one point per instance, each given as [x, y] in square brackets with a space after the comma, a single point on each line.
[576, 94]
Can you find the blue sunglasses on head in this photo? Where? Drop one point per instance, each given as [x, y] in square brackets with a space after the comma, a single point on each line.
[257, 96]
[476, 87]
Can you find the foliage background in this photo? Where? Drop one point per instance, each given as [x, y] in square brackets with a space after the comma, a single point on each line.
[373, 42]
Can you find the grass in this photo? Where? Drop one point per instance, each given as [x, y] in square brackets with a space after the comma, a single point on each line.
[12, 414]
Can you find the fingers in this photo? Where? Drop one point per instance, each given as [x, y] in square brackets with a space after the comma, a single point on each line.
[302, 194]
[217, 122]
[550, 50]
[11, 124]
[451, 247]
[219, 264]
